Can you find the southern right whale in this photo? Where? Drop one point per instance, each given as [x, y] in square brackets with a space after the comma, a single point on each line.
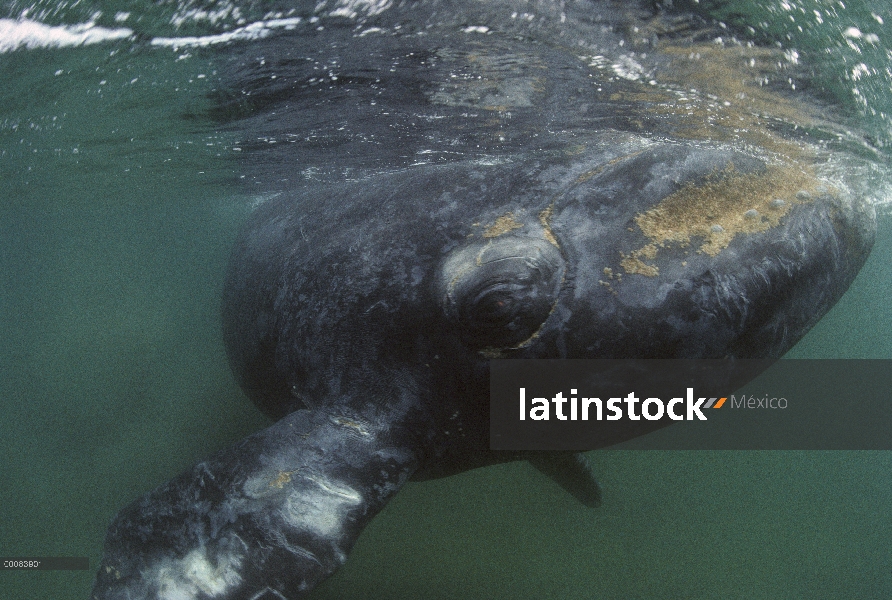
[445, 183]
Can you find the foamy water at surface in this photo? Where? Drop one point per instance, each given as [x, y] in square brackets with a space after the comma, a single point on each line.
[260, 29]
[25, 33]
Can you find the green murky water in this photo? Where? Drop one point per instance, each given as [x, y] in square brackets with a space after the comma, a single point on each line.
[118, 205]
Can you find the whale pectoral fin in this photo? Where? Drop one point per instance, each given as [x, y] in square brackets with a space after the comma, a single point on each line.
[274, 514]
[571, 471]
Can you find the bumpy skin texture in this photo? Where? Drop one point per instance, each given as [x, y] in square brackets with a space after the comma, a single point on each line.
[364, 302]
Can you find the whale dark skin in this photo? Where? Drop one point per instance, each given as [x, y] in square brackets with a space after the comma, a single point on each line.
[366, 297]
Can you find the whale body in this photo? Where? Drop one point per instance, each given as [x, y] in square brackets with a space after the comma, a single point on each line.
[448, 183]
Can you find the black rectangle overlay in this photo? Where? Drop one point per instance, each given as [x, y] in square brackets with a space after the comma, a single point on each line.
[45, 563]
[795, 404]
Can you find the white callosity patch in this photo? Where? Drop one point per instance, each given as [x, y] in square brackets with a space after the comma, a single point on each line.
[195, 573]
[322, 506]
[25, 33]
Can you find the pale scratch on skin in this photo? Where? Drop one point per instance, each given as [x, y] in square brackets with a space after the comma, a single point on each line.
[345, 422]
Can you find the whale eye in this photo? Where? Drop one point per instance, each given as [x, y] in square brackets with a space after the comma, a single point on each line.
[499, 292]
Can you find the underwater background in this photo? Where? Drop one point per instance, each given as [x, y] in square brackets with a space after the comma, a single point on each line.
[118, 206]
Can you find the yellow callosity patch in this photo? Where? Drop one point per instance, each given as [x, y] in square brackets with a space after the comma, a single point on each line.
[544, 217]
[503, 225]
[280, 481]
[634, 265]
[727, 204]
